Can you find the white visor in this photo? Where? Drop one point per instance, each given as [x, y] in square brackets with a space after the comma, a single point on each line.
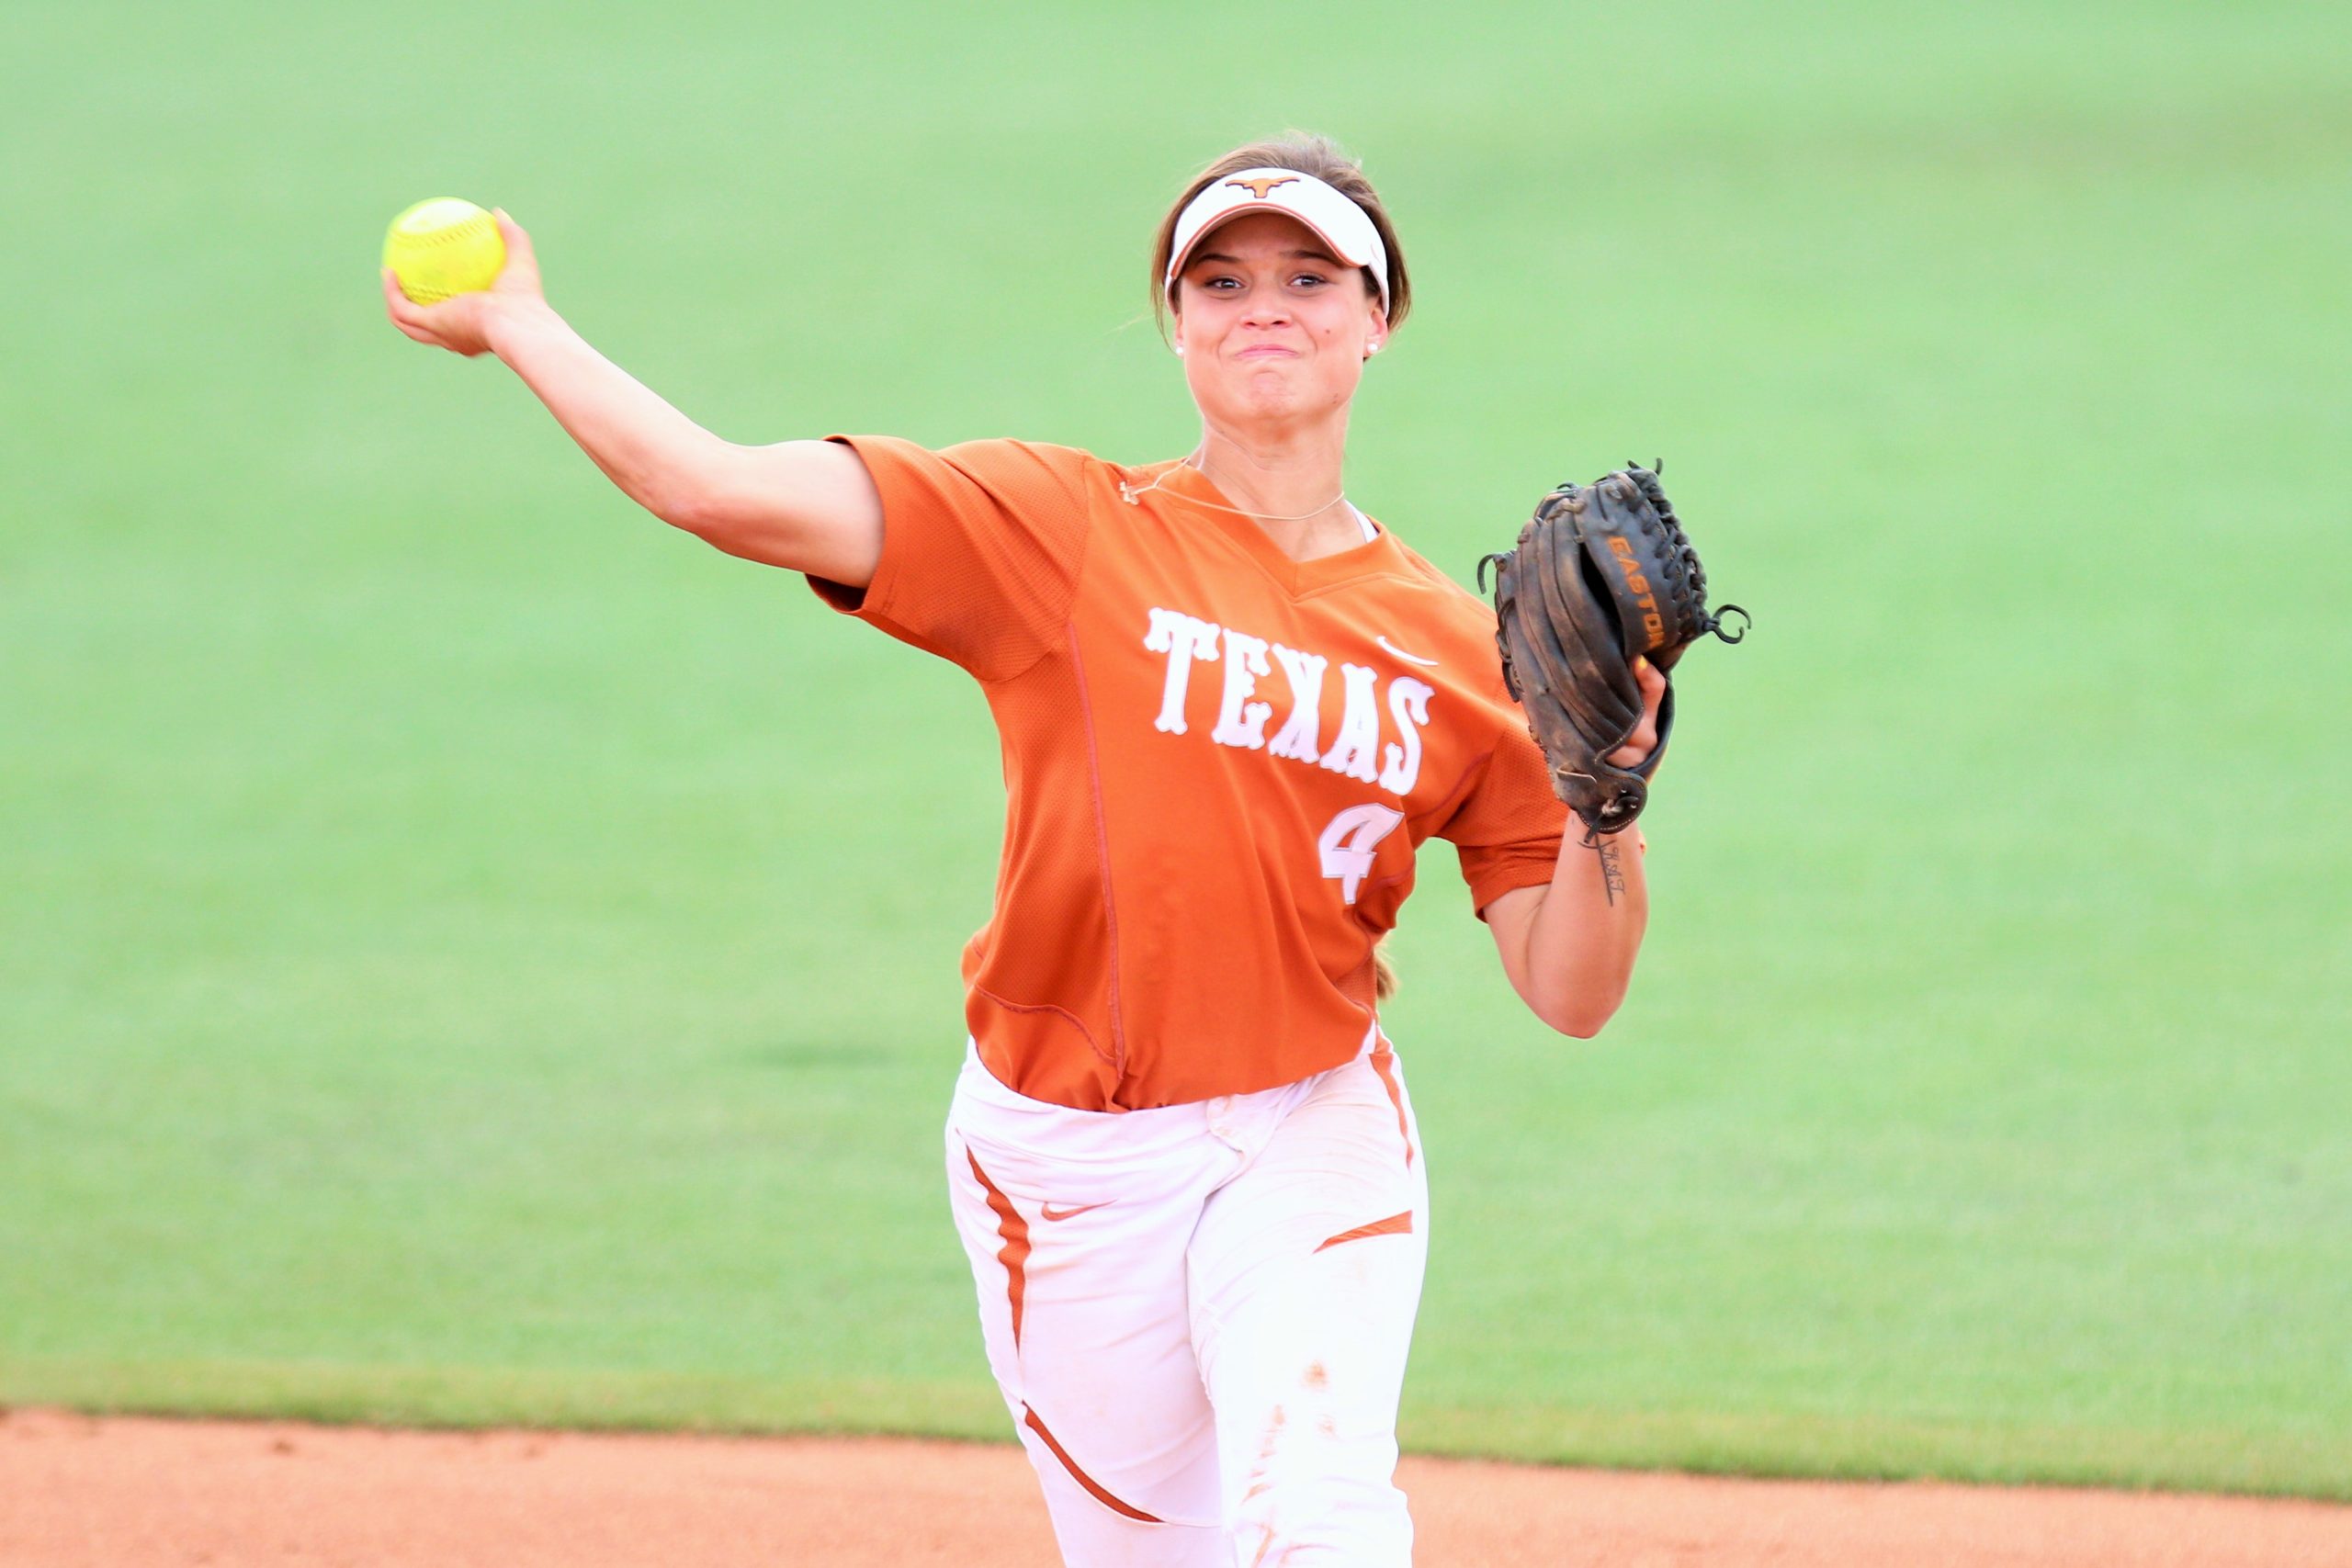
[1338, 221]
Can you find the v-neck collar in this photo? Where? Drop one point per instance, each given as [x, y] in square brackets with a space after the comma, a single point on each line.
[1181, 483]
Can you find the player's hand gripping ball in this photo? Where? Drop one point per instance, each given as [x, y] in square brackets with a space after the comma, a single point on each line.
[444, 247]
[499, 291]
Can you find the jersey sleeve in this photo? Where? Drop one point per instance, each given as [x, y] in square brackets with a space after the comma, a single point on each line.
[981, 546]
[1508, 828]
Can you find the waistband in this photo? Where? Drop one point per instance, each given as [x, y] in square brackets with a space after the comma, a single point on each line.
[986, 1107]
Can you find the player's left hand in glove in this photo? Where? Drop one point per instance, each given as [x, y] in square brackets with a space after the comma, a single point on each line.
[1603, 579]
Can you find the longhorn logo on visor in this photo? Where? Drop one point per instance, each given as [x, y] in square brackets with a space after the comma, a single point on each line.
[1260, 189]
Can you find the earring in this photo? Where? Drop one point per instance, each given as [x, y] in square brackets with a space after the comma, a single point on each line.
[1180, 348]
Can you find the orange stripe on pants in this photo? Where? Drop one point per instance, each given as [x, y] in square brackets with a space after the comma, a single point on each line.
[1015, 1253]
[1384, 1062]
[1395, 1224]
[1029, 1419]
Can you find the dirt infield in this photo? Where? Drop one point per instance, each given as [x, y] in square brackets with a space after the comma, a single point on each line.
[77, 1492]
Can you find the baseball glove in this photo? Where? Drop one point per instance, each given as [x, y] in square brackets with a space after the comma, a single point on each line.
[1601, 574]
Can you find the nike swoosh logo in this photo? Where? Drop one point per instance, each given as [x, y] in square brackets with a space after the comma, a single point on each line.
[1408, 658]
[1053, 1213]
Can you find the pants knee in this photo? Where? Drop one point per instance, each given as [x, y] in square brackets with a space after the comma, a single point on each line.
[1319, 1494]
[1324, 1522]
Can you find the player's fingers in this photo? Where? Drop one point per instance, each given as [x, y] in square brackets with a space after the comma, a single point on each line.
[402, 310]
[521, 267]
[406, 316]
[1651, 679]
[405, 311]
[422, 333]
[1637, 746]
[1644, 741]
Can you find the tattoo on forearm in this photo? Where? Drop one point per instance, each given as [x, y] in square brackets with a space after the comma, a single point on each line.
[1613, 874]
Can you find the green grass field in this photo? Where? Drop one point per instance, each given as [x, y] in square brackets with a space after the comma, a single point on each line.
[470, 954]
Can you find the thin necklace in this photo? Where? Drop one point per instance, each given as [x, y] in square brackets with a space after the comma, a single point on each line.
[1130, 494]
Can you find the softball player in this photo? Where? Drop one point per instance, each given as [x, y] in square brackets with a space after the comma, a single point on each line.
[1180, 1153]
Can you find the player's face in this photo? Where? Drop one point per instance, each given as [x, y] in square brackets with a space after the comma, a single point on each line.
[1274, 328]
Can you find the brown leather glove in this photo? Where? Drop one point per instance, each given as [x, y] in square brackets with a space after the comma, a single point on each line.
[1601, 574]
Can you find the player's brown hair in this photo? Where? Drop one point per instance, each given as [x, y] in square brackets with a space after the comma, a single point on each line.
[1309, 154]
[1383, 969]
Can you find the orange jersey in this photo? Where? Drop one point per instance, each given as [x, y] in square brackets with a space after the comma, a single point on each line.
[1219, 762]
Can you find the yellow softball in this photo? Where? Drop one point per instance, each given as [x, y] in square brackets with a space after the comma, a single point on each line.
[442, 247]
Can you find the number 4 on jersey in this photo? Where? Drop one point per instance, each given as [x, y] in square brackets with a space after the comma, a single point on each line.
[1349, 842]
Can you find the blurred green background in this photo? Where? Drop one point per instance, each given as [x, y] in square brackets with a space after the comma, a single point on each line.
[470, 954]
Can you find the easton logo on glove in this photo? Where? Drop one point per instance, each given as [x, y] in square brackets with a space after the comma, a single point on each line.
[1637, 589]
[1601, 574]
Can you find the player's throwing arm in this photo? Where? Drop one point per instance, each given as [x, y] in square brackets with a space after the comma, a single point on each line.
[804, 506]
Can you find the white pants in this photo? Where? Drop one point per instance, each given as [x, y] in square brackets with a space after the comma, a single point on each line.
[1199, 1314]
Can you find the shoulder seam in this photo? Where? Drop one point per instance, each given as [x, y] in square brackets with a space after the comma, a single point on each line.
[1066, 629]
